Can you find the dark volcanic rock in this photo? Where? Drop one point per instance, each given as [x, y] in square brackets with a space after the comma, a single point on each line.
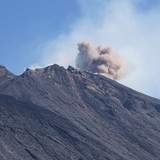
[5, 75]
[53, 114]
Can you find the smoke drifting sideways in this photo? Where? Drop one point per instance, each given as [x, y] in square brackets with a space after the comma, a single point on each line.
[102, 60]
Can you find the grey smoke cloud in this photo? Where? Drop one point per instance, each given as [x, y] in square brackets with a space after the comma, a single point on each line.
[102, 60]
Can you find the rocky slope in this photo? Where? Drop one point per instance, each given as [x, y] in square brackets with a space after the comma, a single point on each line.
[58, 114]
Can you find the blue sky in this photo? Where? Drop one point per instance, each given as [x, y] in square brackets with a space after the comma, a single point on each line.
[27, 24]
[36, 33]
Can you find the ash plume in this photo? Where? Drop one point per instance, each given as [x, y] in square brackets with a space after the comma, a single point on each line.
[102, 60]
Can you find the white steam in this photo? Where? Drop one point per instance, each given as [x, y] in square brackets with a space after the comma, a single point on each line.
[132, 29]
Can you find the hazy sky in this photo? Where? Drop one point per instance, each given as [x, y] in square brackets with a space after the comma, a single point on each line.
[41, 32]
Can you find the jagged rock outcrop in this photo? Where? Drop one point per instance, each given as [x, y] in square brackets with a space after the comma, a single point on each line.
[53, 113]
[5, 75]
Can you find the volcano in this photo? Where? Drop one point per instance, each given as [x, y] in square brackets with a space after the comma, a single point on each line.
[54, 113]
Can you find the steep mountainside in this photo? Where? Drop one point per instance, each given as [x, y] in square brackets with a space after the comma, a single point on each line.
[58, 114]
